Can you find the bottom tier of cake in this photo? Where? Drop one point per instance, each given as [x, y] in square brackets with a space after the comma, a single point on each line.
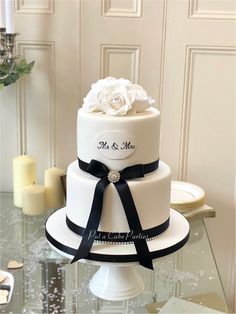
[66, 242]
[151, 196]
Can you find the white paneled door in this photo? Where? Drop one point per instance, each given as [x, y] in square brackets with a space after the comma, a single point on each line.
[198, 113]
[38, 116]
[122, 39]
[181, 51]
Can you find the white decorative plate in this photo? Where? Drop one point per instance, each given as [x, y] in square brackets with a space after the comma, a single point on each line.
[9, 281]
[189, 199]
[186, 196]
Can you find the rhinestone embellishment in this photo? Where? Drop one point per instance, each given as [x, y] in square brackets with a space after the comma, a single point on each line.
[113, 176]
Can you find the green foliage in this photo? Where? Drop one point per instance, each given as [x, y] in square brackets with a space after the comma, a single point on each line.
[20, 68]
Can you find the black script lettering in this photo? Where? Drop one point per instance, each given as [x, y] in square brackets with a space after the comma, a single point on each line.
[114, 146]
[103, 145]
[127, 145]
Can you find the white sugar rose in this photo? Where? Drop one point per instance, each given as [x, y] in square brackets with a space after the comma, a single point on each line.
[142, 100]
[116, 97]
[91, 100]
[116, 100]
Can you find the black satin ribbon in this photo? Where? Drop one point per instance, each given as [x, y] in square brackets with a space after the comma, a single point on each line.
[119, 237]
[116, 258]
[99, 170]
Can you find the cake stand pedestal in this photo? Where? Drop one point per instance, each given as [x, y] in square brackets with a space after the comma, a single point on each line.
[116, 283]
[117, 277]
[113, 281]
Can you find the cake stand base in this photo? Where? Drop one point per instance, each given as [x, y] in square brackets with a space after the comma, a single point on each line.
[117, 278]
[116, 283]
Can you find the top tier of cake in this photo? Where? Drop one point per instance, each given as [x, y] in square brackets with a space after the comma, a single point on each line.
[117, 126]
[118, 141]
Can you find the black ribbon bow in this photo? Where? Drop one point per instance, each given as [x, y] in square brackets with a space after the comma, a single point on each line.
[106, 176]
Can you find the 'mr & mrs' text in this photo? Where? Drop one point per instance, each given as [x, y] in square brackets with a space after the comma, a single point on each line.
[114, 146]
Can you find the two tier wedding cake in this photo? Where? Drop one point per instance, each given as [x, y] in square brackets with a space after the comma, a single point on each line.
[118, 191]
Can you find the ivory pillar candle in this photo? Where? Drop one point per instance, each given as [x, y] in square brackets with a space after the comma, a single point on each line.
[54, 191]
[2, 14]
[10, 21]
[24, 173]
[34, 200]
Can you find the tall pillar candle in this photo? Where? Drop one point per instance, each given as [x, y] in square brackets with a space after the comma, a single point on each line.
[10, 20]
[34, 200]
[24, 173]
[2, 14]
[54, 191]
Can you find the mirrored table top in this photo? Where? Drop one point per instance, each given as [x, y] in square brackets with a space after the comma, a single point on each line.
[47, 283]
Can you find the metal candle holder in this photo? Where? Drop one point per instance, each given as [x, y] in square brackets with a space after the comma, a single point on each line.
[7, 57]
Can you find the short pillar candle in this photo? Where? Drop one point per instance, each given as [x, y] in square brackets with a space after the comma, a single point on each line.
[24, 173]
[34, 200]
[54, 191]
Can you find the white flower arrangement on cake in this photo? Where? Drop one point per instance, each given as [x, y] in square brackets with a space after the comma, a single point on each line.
[116, 97]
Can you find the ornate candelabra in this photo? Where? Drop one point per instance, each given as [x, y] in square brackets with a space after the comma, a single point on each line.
[7, 57]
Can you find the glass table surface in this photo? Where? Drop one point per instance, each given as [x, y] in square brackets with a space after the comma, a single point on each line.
[47, 283]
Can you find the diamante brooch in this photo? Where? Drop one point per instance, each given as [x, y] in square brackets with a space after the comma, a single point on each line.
[113, 176]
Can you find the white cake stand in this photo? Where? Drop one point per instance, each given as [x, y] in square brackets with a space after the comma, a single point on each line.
[116, 283]
[117, 278]
[113, 281]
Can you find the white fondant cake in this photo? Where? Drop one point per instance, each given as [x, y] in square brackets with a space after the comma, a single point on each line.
[151, 195]
[118, 182]
[119, 141]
